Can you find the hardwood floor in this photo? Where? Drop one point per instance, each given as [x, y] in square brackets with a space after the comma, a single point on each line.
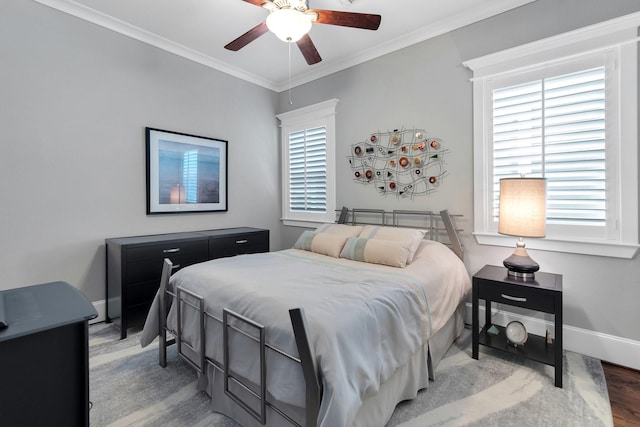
[623, 385]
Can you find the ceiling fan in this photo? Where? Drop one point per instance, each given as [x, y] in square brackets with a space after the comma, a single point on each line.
[291, 21]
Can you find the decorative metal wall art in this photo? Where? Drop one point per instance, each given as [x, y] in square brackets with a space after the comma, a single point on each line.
[404, 163]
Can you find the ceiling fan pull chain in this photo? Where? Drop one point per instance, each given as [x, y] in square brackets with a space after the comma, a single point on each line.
[290, 100]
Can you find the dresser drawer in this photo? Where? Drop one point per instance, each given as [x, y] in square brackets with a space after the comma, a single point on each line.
[141, 293]
[167, 249]
[238, 244]
[151, 268]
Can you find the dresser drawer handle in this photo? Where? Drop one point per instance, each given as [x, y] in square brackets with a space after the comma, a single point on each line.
[171, 251]
[240, 242]
[509, 297]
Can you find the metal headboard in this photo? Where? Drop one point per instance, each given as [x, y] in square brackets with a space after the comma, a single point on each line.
[439, 226]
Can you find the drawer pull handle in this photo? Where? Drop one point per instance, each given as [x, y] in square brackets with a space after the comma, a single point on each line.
[240, 242]
[175, 266]
[509, 297]
[171, 251]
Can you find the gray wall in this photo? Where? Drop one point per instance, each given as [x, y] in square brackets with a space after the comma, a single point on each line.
[426, 86]
[74, 101]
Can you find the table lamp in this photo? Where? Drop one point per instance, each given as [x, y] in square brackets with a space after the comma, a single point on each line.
[523, 207]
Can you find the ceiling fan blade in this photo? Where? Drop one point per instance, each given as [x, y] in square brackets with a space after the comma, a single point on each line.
[247, 37]
[308, 50]
[256, 2]
[365, 21]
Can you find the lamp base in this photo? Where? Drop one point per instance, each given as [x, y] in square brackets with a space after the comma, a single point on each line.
[520, 265]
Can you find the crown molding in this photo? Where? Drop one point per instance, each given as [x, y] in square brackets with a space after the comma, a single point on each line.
[109, 22]
[406, 40]
[78, 10]
[615, 31]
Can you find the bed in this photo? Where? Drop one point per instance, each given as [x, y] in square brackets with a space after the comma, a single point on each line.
[333, 332]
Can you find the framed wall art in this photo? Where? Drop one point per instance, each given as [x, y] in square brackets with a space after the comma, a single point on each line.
[185, 173]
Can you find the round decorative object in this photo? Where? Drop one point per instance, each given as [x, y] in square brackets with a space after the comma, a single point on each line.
[395, 139]
[433, 179]
[392, 163]
[373, 138]
[357, 174]
[422, 145]
[418, 172]
[418, 135]
[357, 150]
[516, 333]
[392, 185]
[417, 161]
[434, 144]
[368, 174]
[404, 162]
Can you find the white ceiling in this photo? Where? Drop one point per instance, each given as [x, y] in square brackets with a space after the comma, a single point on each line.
[199, 29]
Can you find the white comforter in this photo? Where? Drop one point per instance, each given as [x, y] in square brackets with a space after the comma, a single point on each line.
[364, 320]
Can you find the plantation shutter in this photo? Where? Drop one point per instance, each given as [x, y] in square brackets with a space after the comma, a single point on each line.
[555, 128]
[308, 170]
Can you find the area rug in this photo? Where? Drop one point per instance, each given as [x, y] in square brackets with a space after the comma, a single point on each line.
[128, 388]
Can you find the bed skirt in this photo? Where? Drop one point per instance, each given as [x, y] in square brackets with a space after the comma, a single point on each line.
[376, 409]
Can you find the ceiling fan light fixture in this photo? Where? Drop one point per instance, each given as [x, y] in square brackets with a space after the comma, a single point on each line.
[288, 25]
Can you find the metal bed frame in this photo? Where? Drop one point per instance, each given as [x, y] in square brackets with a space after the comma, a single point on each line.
[438, 225]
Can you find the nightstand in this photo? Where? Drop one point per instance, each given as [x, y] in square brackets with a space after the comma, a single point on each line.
[44, 356]
[543, 294]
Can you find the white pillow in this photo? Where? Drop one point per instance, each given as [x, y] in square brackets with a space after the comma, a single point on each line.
[378, 251]
[321, 243]
[409, 237]
[341, 229]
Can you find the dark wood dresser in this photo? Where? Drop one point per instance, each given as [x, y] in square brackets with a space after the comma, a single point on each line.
[44, 356]
[134, 264]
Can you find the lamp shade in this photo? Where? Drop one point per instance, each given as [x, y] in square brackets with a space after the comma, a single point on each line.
[523, 207]
[288, 24]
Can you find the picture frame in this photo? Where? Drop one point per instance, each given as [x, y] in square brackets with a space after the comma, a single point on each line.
[185, 173]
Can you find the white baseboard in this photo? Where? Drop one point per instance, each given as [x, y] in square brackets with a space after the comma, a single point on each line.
[101, 308]
[610, 348]
[621, 351]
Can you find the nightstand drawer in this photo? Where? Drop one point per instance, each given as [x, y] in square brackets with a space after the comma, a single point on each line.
[519, 296]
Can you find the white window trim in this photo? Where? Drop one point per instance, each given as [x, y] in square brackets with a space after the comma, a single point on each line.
[321, 114]
[619, 35]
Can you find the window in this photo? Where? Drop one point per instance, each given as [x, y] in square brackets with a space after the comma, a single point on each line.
[308, 170]
[554, 128]
[565, 109]
[308, 159]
